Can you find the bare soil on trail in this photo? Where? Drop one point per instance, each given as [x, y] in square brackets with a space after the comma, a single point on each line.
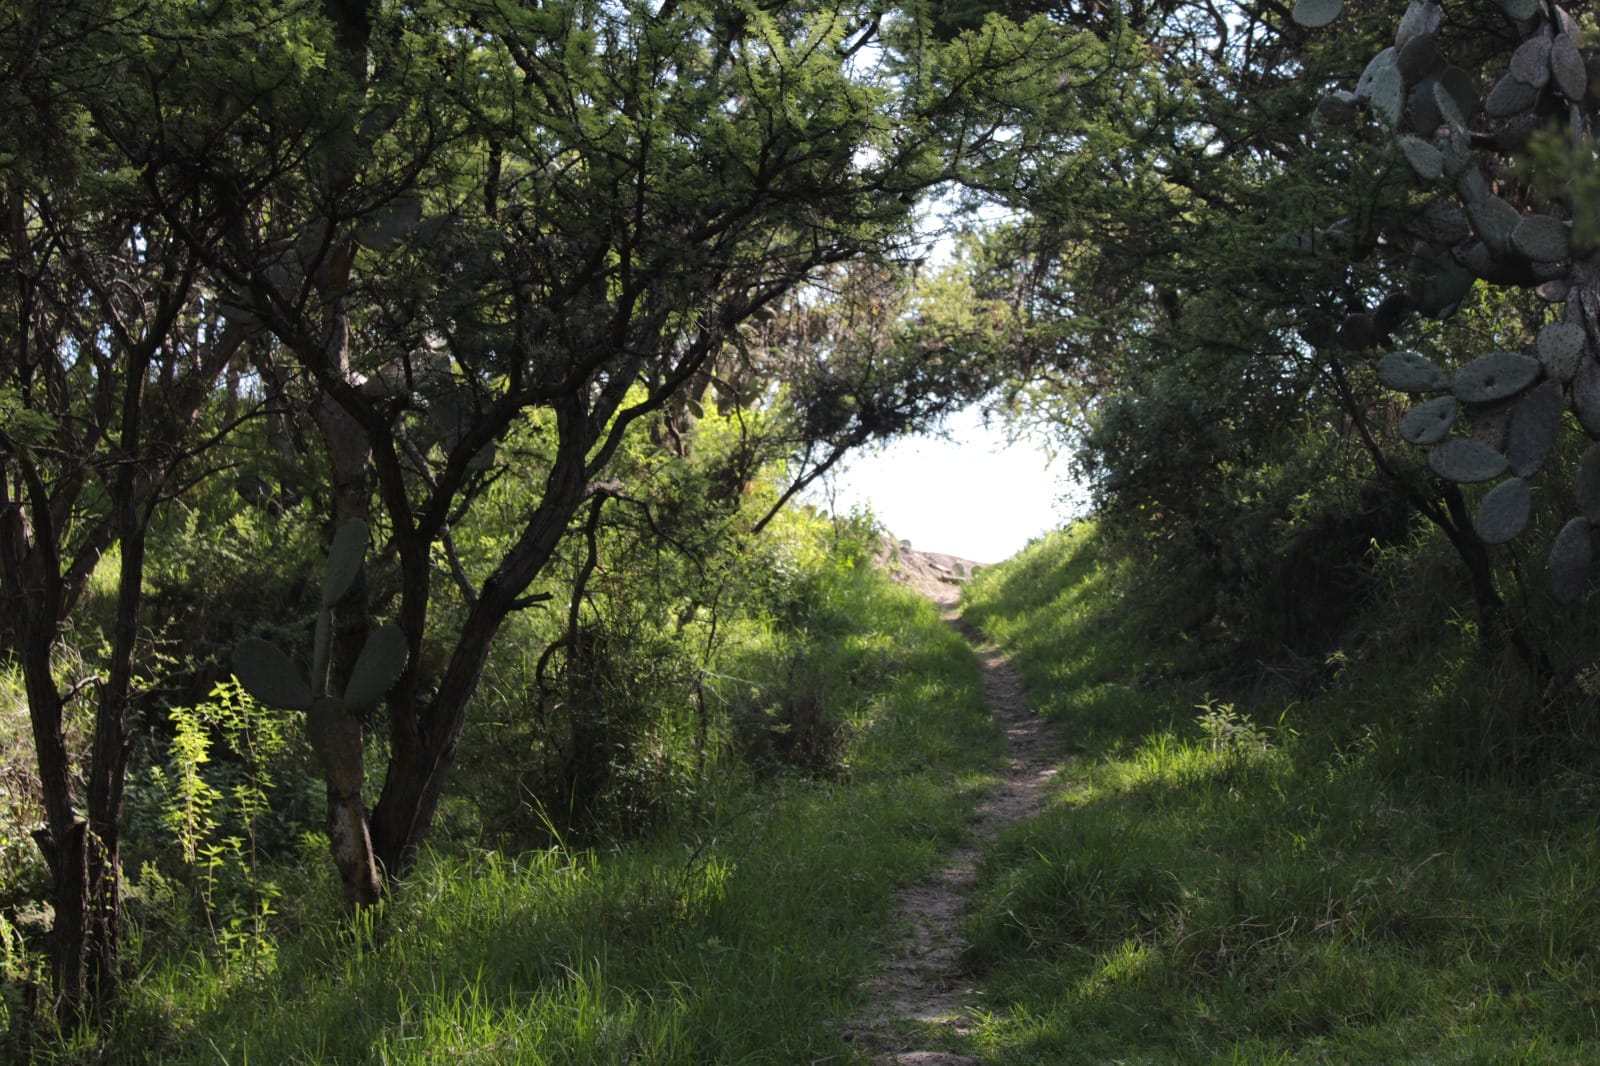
[922, 991]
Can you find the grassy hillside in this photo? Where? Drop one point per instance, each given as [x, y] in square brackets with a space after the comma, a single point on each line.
[741, 937]
[1331, 872]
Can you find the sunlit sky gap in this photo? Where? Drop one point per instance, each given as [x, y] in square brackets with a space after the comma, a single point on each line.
[972, 495]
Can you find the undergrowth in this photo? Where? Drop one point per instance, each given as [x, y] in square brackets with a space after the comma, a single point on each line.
[741, 935]
[1337, 873]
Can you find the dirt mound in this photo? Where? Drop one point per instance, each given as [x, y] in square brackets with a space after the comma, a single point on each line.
[933, 574]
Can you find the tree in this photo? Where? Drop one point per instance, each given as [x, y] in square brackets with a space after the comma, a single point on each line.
[1154, 263]
[109, 357]
[476, 220]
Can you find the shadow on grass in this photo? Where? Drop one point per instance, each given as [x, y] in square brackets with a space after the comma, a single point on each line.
[1332, 882]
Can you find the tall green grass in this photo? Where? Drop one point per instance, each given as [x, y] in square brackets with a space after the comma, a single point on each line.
[742, 937]
[1272, 878]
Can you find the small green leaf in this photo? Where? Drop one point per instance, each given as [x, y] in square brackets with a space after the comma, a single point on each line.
[22, 424]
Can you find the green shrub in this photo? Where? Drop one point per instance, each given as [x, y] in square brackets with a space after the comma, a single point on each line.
[234, 791]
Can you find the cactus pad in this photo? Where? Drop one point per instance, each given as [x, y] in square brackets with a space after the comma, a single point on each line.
[1570, 558]
[1422, 110]
[1571, 73]
[1423, 157]
[1457, 97]
[1466, 461]
[1430, 422]
[1504, 512]
[1421, 19]
[1559, 346]
[1586, 484]
[269, 675]
[1445, 288]
[345, 556]
[1535, 424]
[1410, 372]
[1337, 107]
[1494, 220]
[1530, 63]
[1542, 239]
[1510, 96]
[1314, 14]
[1420, 58]
[1586, 396]
[1494, 377]
[379, 664]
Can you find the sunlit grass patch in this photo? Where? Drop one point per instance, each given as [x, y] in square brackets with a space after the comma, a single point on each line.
[1272, 881]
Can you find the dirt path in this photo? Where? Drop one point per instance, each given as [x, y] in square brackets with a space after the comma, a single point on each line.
[922, 990]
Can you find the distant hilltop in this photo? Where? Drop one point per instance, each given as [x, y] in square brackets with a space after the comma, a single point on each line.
[933, 574]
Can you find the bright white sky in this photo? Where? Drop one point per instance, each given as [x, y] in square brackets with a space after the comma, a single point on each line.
[973, 496]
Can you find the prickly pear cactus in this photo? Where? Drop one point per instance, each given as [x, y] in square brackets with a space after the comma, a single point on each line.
[1455, 132]
[270, 675]
[332, 721]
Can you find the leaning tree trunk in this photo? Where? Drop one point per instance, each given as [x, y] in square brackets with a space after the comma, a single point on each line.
[423, 741]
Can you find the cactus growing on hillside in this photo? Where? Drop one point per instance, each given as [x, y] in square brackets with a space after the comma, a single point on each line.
[332, 721]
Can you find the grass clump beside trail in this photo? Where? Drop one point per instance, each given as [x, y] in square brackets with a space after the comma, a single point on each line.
[742, 938]
[1274, 879]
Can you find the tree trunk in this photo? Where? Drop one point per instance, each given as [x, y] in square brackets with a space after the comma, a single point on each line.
[63, 838]
[423, 745]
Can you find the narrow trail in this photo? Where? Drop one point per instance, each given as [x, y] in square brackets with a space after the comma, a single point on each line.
[922, 991]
